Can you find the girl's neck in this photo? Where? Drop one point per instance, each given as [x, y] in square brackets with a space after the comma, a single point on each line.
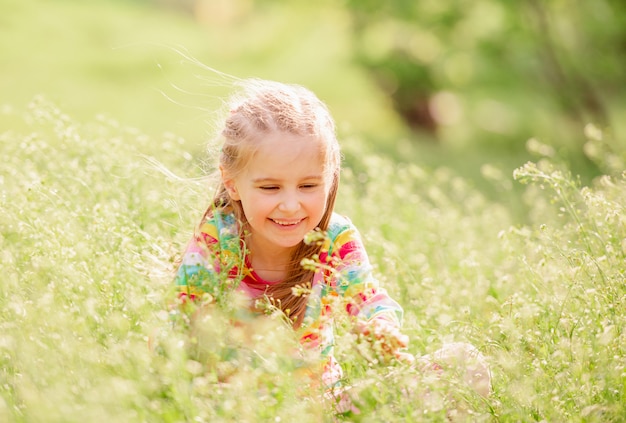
[271, 264]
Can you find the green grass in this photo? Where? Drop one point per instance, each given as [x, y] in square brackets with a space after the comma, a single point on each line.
[530, 270]
[120, 58]
[90, 229]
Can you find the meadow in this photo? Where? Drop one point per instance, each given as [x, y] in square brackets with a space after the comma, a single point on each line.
[94, 213]
[91, 226]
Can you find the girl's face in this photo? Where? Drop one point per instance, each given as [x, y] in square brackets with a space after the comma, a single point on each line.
[283, 191]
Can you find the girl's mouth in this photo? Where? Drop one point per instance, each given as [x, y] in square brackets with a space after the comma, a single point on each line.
[286, 222]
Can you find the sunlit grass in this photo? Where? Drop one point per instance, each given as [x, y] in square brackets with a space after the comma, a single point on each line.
[90, 226]
[121, 59]
[90, 229]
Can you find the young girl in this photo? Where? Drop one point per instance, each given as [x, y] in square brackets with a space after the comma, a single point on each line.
[279, 168]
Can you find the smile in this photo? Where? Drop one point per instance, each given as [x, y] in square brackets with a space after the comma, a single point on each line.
[286, 222]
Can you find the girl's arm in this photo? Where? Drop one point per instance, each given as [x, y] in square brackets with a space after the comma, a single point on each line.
[378, 317]
[195, 273]
[209, 263]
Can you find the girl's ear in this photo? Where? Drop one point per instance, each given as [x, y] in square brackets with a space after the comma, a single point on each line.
[229, 184]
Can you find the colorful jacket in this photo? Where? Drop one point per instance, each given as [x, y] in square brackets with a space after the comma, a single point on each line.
[343, 279]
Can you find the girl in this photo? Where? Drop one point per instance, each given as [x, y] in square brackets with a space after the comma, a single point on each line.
[279, 168]
[279, 173]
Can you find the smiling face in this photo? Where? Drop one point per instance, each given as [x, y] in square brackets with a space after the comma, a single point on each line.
[283, 191]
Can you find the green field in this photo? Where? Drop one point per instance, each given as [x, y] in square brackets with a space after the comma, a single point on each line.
[103, 130]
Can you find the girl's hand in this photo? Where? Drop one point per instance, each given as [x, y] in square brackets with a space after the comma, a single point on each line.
[386, 339]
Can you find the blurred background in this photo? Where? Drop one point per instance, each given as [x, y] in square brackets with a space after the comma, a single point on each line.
[457, 83]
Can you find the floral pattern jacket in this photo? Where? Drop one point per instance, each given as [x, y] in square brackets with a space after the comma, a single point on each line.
[343, 279]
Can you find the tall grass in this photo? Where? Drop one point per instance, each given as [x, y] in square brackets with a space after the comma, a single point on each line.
[90, 229]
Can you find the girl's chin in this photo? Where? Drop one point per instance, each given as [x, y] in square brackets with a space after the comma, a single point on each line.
[288, 241]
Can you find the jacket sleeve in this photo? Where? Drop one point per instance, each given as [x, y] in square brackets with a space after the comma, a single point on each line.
[196, 274]
[354, 280]
[211, 261]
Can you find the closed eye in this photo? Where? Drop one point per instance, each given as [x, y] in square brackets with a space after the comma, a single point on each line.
[269, 187]
[309, 186]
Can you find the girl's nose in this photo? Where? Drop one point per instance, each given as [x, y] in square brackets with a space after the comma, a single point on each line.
[289, 203]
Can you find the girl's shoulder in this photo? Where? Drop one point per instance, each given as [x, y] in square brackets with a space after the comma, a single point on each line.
[338, 224]
[220, 225]
[342, 231]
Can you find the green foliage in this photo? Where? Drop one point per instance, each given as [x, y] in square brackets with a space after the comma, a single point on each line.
[123, 59]
[87, 231]
[90, 229]
[496, 72]
[93, 217]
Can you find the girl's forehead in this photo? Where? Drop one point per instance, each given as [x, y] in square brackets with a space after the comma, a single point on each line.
[281, 152]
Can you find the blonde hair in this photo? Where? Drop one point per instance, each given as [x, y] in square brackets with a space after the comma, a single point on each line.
[267, 107]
